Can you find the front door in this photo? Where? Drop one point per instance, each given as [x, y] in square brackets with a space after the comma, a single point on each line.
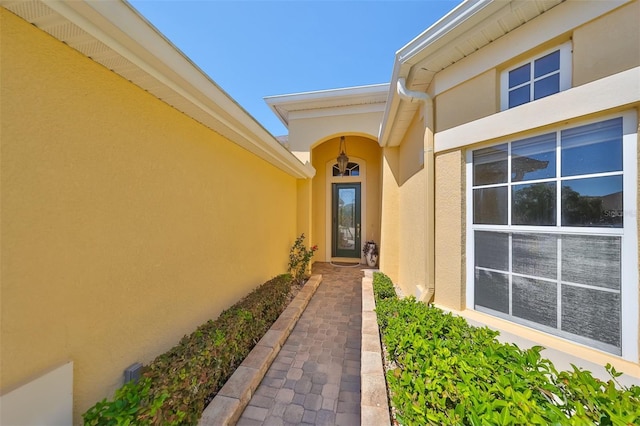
[346, 220]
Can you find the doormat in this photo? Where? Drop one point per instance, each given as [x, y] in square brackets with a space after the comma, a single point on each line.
[346, 264]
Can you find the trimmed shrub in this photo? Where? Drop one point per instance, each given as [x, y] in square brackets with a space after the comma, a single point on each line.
[446, 371]
[382, 286]
[177, 385]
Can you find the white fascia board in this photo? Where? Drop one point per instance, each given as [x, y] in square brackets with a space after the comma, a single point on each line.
[337, 111]
[460, 19]
[392, 104]
[557, 21]
[372, 89]
[614, 92]
[121, 28]
[284, 106]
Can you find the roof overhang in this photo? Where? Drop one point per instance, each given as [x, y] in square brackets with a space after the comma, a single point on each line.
[323, 103]
[115, 35]
[467, 28]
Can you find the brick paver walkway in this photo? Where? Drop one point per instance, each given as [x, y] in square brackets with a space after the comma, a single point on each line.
[315, 379]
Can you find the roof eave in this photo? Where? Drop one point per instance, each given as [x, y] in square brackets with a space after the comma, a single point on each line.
[283, 105]
[117, 25]
[458, 20]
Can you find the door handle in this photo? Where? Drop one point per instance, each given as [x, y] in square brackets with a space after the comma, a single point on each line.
[358, 230]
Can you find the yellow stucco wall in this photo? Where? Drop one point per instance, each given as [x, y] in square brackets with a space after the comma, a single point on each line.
[412, 212]
[607, 45]
[125, 224]
[473, 99]
[303, 210]
[404, 227]
[390, 223]
[357, 146]
[450, 229]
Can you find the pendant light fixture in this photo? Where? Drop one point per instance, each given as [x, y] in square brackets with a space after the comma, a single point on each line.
[342, 159]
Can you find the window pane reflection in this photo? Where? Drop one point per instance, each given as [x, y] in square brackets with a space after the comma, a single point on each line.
[546, 86]
[547, 64]
[490, 206]
[491, 290]
[594, 148]
[352, 169]
[534, 158]
[519, 75]
[593, 202]
[534, 204]
[490, 165]
[535, 254]
[519, 96]
[592, 260]
[492, 250]
[535, 300]
[591, 313]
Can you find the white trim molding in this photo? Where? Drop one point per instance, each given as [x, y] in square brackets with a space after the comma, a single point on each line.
[564, 73]
[614, 92]
[323, 103]
[627, 234]
[362, 180]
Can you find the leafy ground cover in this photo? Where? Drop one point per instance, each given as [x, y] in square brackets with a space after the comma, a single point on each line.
[178, 385]
[445, 371]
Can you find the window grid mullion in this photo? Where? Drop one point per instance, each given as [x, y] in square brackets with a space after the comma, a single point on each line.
[531, 78]
[559, 287]
[559, 227]
[546, 75]
[509, 213]
[559, 231]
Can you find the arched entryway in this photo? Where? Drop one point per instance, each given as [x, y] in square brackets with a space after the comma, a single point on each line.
[346, 208]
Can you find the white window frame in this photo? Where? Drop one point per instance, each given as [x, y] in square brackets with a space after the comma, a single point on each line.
[629, 317]
[565, 73]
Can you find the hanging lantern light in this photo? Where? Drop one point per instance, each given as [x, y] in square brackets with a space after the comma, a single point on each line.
[342, 159]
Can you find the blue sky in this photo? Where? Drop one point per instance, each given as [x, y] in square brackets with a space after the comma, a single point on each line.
[254, 49]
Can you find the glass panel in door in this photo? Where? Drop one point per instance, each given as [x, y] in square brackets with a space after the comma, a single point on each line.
[346, 220]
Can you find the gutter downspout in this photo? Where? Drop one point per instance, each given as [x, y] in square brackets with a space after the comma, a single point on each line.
[412, 96]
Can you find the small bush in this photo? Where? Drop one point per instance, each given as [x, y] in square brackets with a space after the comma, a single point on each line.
[299, 258]
[448, 372]
[382, 286]
[177, 385]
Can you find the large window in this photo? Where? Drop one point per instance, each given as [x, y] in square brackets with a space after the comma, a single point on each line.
[537, 78]
[552, 248]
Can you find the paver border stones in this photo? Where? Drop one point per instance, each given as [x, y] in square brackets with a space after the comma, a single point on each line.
[227, 406]
[374, 403]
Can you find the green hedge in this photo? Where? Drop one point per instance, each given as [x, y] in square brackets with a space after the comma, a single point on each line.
[448, 372]
[177, 385]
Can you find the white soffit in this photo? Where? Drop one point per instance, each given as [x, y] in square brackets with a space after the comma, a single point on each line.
[354, 100]
[113, 34]
[466, 29]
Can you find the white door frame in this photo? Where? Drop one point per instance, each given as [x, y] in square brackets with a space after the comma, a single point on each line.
[329, 181]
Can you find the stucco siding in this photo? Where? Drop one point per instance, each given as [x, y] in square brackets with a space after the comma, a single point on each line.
[473, 99]
[125, 224]
[450, 229]
[390, 224]
[306, 132]
[607, 45]
[405, 209]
